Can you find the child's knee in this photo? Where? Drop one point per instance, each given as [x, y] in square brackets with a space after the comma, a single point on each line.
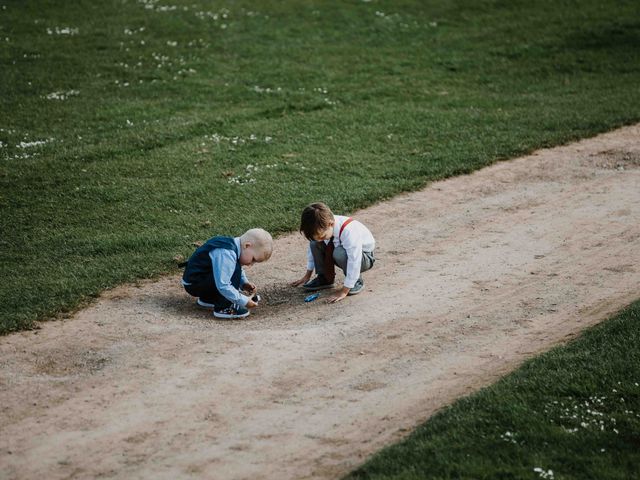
[367, 261]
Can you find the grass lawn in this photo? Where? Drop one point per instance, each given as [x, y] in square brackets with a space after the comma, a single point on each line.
[130, 129]
[572, 413]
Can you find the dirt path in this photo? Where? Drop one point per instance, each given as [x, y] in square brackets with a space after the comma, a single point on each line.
[475, 274]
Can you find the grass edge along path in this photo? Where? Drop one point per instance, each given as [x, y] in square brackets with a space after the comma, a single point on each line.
[130, 130]
[570, 413]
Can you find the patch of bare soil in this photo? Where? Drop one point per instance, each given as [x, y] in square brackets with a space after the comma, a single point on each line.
[474, 275]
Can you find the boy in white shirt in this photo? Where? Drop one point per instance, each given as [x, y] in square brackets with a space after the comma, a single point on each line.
[335, 240]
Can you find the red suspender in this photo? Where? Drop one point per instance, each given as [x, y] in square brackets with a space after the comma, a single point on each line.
[346, 222]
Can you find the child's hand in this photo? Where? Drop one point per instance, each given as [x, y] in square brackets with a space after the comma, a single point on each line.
[251, 304]
[250, 288]
[336, 297]
[303, 280]
[300, 281]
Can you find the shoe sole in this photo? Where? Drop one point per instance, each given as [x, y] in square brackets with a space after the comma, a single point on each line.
[350, 294]
[227, 316]
[313, 289]
[202, 304]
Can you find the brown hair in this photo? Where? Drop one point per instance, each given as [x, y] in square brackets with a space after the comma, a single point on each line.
[314, 218]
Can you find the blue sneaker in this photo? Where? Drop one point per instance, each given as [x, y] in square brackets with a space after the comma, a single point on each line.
[357, 288]
[205, 303]
[233, 311]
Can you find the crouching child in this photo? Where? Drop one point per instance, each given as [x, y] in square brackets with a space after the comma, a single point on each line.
[335, 240]
[215, 275]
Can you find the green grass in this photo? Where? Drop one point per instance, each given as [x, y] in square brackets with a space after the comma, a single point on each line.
[346, 102]
[574, 410]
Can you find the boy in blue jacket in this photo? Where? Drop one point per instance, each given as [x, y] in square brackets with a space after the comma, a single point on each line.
[214, 272]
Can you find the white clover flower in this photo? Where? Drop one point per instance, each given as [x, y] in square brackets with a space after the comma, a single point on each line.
[544, 474]
[259, 89]
[63, 31]
[25, 155]
[35, 143]
[508, 437]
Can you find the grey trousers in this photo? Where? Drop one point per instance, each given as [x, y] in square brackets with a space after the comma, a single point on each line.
[339, 258]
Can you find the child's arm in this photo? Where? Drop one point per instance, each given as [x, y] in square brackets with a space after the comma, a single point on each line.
[309, 272]
[354, 264]
[246, 285]
[303, 280]
[224, 264]
[352, 244]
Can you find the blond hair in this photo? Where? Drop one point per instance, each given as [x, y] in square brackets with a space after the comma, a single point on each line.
[260, 239]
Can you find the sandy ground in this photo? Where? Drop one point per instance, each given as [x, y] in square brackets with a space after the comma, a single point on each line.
[474, 275]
